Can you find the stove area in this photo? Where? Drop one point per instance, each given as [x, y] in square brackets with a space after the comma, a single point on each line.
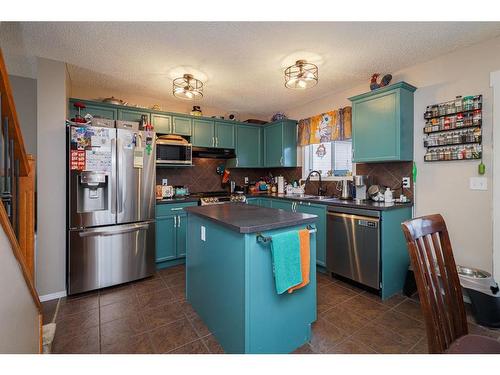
[219, 197]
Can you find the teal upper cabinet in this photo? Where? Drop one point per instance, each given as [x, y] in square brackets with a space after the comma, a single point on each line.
[280, 144]
[382, 124]
[207, 133]
[203, 133]
[132, 115]
[181, 125]
[248, 146]
[224, 134]
[161, 123]
[94, 110]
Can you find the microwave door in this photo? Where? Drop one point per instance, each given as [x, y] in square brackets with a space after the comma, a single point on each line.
[173, 154]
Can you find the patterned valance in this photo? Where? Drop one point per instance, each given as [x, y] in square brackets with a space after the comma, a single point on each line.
[335, 125]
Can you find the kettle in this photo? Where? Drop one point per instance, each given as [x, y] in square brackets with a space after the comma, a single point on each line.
[345, 189]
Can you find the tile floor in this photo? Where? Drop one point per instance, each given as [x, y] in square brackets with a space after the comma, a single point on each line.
[152, 316]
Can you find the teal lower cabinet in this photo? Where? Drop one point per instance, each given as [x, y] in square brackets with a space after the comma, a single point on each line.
[230, 284]
[282, 204]
[394, 260]
[320, 211]
[306, 208]
[171, 227]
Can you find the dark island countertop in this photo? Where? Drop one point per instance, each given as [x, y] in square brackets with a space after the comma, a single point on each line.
[245, 218]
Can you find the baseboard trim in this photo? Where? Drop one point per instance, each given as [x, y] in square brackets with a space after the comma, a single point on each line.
[51, 296]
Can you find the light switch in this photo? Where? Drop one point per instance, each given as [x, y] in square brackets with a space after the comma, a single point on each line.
[478, 183]
[164, 181]
[203, 236]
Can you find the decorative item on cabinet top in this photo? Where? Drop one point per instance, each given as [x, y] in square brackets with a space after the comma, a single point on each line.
[453, 129]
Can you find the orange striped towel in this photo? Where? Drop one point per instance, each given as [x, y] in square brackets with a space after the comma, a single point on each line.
[305, 259]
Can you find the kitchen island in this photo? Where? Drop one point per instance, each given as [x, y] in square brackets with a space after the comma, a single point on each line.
[230, 281]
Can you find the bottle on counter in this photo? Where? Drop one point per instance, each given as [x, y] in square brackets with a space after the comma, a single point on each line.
[388, 196]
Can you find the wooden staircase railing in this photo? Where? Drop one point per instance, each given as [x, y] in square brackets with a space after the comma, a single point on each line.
[17, 188]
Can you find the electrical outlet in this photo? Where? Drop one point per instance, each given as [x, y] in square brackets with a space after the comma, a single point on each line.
[164, 181]
[478, 183]
[406, 182]
[203, 233]
[246, 180]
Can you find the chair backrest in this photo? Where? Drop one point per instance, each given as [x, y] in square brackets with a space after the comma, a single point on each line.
[437, 280]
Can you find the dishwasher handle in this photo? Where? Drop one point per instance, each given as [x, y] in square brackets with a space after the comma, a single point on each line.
[354, 217]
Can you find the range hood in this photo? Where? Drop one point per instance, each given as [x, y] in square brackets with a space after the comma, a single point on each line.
[213, 153]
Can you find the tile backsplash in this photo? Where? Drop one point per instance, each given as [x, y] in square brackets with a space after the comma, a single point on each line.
[202, 177]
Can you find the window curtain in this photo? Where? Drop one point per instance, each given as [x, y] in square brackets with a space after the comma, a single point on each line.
[335, 125]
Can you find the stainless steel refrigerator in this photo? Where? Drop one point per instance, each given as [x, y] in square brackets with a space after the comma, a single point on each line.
[111, 205]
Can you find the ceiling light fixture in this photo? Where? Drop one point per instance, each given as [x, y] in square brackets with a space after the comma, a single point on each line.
[302, 75]
[187, 87]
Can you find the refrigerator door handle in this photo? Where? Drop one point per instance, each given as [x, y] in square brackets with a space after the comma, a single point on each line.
[113, 179]
[119, 185]
[118, 230]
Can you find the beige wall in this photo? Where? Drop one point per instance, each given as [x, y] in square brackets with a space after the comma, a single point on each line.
[168, 103]
[444, 187]
[24, 91]
[19, 324]
[51, 187]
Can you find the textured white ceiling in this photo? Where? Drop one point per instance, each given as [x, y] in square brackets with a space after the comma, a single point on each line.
[241, 63]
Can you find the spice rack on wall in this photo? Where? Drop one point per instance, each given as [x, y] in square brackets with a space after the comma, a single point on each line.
[453, 129]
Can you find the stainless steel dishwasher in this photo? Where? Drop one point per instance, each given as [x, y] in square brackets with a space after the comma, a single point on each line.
[353, 245]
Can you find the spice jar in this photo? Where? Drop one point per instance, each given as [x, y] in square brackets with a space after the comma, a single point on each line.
[458, 104]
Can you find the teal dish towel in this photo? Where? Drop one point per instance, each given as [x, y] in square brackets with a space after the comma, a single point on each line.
[285, 250]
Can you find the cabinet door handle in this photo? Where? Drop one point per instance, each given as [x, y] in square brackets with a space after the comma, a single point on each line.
[281, 160]
[216, 141]
[177, 209]
[237, 161]
[175, 221]
[178, 221]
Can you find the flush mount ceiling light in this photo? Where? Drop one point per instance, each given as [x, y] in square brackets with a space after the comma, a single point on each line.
[187, 87]
[302, 75]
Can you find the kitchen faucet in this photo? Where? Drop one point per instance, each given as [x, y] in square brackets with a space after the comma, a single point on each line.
[321, 191]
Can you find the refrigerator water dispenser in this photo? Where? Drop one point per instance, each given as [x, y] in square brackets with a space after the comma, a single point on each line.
[92, 192]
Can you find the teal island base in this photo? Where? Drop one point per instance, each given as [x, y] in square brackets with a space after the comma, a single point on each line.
[230, 284]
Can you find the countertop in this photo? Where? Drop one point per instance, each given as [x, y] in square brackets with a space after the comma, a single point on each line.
[368, 204]
[245, 218]
[177, 200]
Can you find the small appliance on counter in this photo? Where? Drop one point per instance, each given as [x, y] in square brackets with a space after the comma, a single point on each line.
[281, 184]
[360, 183]
[180, 191]
[345, 188]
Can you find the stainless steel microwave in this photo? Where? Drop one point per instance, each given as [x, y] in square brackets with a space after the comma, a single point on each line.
[171, 153]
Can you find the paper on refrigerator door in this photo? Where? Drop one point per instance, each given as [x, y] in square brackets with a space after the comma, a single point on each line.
[138, 157]
[97, 161]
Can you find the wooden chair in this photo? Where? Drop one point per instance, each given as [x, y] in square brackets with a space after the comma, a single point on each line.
[439, 289]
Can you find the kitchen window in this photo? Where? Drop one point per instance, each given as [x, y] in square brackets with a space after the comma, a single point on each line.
[332, 159]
